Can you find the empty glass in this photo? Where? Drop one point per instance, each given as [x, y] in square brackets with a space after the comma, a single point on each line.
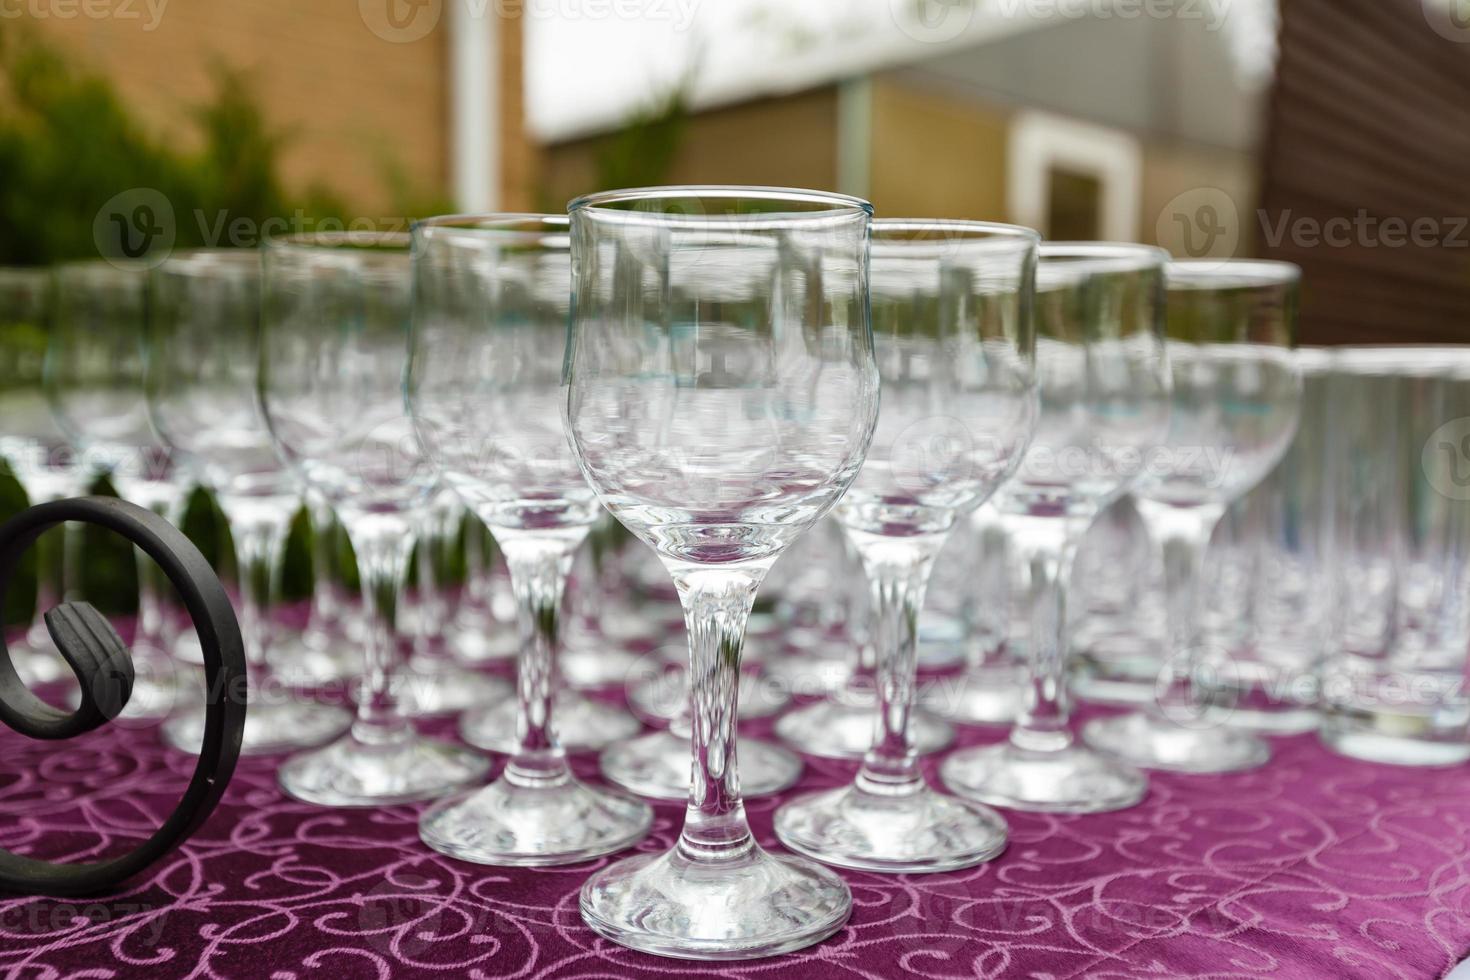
[1104, 403]
[94, 381]
[490, 327]
[721, 394]
[325, 651]
[952, 325]
[991, 687]
[333, 359]
[1279, 606]
[434, 683]
[1393, 685]
[1237, 389]
[203, 345]
[36, 450]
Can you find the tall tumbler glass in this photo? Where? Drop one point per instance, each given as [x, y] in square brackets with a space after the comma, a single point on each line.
[490, 324]
[721, 395]
[953, 328]
[202, 350]
[36, 450]
[94, 382]
[1393, 685]
[333, 361]
[1276, 642]
[1104, 405]
[1237, 391]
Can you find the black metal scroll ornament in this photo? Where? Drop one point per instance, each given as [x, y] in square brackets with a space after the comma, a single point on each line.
[102, 664]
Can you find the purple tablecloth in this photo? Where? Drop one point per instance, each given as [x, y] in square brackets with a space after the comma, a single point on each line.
[1313, 866]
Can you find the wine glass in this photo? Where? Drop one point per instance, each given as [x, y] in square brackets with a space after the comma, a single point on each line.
[36, 450]
[489, 335]
[93, 378]
[1104, 403]
[840, 725]
[433, 683]
[200, 356]
[952, 324]
[333, 357]
[324, 652]
[1237, 392]
[721, 394]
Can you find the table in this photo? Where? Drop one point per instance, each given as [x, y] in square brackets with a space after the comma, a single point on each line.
[1313, 866]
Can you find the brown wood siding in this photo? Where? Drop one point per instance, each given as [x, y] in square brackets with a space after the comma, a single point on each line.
[1370, 121]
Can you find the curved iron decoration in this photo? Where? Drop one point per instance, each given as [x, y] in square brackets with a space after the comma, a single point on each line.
[104, 669]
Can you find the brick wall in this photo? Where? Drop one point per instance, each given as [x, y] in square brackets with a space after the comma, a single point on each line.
[353, 102]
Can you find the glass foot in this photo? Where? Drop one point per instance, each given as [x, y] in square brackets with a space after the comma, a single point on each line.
[350, 772]
[606, 666]
[918, 832]
[837, 730]
[582, 724]
[1073, 779]
[314, 660]
[752, 905]
[161, 686]
[657, 765]
[481, 642]
[37, 667]
[269, 728]
[539, 824]
[666, 695]
[187, 649]
[806, 675]
[1156, 744]
[441, 688]
[982, 696]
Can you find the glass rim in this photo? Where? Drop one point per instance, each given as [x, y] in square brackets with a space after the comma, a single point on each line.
[1401, 360]
[345, 242]
[951, 230]
[203, 261]
[1098, 257]
[1231, 273]
[102, 270]
[832, 205]
[548, 231]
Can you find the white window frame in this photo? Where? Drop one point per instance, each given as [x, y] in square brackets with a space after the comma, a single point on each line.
[1041, 142]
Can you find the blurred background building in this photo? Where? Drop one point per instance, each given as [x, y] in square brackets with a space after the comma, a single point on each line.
[1211, 127]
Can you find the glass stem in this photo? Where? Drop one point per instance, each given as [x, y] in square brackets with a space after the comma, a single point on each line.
[858, 692]
[717, 604]
[1180, 536]
[898, 573]
[326, 597]
[539, 562]
[154, 636]
[1045, 550]
[259, 545]
[383, 546]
